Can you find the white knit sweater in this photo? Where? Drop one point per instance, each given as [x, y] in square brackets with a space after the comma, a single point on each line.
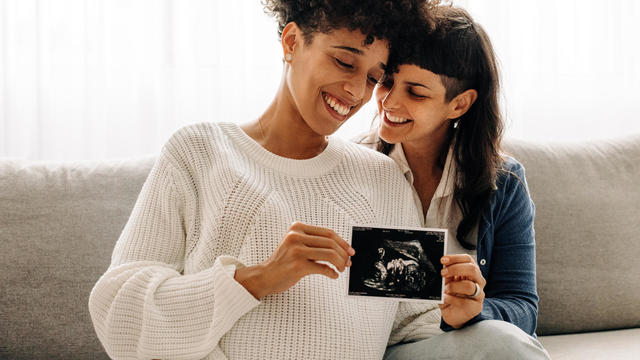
[216, 201]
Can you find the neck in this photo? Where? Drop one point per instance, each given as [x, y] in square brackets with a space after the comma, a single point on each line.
[424, 157]
[282, 130]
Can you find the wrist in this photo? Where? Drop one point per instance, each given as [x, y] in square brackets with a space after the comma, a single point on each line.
[252, 279]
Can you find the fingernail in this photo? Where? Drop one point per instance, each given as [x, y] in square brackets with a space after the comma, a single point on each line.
[445, 260]
[444, 271]
[349, 263]
[351, 251]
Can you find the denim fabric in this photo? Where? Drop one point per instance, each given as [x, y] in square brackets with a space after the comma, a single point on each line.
[506, 253]
[491, 339]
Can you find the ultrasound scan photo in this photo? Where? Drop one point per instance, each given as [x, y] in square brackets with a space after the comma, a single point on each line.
[397, 263]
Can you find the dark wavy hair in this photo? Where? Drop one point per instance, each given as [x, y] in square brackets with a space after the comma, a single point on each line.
[458, 49]
[377, 19]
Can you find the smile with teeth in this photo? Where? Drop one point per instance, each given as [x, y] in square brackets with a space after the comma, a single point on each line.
[396, 119]
[336, 105]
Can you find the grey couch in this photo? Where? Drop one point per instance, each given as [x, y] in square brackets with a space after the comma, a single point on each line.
[59, 223]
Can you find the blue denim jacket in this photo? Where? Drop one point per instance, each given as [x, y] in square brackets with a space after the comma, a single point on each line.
[506, 253]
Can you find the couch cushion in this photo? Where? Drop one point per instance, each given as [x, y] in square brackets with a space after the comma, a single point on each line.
[618, 345]
[587, 226]
[58, 226]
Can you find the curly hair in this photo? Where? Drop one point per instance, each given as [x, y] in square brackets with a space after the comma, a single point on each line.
[377, 19]
[458, 49]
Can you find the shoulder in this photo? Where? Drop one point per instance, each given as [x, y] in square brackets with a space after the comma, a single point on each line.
[511, 172]
[195, 138]
[510, 164]
[364, 155]
[512, 189]
[193, 146]
[368, 139]
[194, 135]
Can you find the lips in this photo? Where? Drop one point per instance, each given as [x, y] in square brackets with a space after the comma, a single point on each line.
[395, 120]
[338, 106]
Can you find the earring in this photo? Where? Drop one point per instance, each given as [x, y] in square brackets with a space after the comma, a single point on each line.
[288, 57]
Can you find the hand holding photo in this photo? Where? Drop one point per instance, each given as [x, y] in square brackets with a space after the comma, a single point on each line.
[397, 263]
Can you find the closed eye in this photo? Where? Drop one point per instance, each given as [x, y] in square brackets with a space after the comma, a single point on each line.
[416, 95]
[344, 64]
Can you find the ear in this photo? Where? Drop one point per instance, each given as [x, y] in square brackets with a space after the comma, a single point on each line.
[290, 40]
[461, 103]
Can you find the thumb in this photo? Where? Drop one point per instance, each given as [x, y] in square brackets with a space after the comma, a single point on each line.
[322, 269]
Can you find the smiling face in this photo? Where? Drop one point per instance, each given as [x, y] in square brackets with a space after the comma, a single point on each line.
[333, 76]
[413, 106]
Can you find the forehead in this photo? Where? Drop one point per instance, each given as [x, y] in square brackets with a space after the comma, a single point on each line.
[414, 73]
[354, 42]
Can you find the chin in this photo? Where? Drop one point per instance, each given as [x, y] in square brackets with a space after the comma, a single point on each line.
[388, 136]
[323, 128]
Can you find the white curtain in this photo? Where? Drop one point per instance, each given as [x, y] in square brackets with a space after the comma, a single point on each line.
[570, 68]
[89, 79]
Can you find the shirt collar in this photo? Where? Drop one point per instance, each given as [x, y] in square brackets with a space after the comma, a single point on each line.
[445, 188]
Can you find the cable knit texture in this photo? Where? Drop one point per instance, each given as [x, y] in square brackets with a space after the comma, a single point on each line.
[216, 201]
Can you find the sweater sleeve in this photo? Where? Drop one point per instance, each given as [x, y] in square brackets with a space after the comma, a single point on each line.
[511, 293]
[144, 307]
[415, 321]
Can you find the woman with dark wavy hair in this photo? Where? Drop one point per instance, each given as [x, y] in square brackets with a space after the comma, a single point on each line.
[209, 264]
[440, 121]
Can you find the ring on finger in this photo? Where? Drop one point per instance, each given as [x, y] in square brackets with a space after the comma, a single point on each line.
[476, 292]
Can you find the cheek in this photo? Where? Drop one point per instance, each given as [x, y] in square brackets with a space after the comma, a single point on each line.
[380, 93]
[379, 103]
[306, 88]
[367, 95]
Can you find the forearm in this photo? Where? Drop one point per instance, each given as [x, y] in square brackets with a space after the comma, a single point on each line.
[518, 311]
[252, 278]
[144, 309]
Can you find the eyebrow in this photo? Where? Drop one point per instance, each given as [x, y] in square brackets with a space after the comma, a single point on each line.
[357, 52]
[417, 84]
[350, 49]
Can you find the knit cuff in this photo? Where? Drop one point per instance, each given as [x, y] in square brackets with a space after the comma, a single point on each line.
[232, 300]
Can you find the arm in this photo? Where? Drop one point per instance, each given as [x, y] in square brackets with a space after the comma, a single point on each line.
[510, 292]
[143, 307]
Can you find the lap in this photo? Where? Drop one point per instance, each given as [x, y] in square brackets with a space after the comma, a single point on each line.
[489, 339]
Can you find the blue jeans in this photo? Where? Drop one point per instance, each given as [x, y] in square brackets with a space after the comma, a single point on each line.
[488, 339]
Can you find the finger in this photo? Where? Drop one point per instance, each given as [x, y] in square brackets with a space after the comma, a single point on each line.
[464, 300]
[461, 288]
[323, 242]
[322, 269]
[456, 259]
[328, 233]
[469, 271]
[328, 255]
[456, 301]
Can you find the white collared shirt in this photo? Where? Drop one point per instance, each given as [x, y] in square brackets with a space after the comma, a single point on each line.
[443, 211]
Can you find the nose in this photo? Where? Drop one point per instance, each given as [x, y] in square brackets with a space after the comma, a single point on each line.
[389, 99]
[356, 86]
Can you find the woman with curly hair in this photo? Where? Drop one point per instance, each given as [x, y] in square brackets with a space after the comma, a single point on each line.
[209, 264]
[441, 123]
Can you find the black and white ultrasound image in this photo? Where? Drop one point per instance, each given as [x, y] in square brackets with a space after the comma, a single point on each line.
[397, 263]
